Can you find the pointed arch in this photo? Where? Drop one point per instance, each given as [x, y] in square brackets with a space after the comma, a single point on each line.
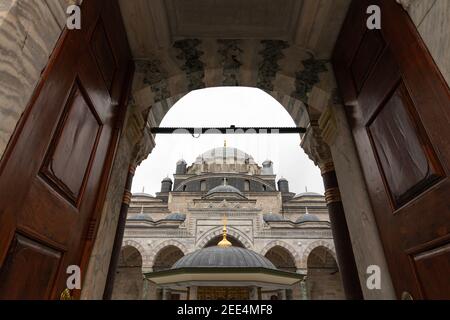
[156, 250]
[319, 243]
[236, 233]
[278, 243]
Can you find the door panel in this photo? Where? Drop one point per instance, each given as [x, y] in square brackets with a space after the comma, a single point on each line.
[398, 106]
[53, 177]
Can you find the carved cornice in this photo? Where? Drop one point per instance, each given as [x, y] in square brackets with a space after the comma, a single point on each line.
[314, 145]
[327, 125]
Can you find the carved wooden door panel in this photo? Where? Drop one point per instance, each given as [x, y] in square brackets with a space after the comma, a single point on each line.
[53, 177]
[399, 108]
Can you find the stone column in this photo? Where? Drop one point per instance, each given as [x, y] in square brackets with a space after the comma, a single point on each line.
[282, 294]
[320, 153]
[304, 290]
[254, 293]
[119, 234]
[138, 134]
[193, 293]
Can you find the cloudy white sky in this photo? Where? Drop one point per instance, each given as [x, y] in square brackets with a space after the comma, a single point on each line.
[225, 106]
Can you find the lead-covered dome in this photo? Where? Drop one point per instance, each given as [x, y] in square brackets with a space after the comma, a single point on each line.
[175, 217]
[308, 218]
[230, 257]
[273, 217]
[224, 189]
[224, 154]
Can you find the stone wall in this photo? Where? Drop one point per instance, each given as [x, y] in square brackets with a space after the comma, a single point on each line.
[128, 284]
[432, 19]
[29, 31]
[323, 285]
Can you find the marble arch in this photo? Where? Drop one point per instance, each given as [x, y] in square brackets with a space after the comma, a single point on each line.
[277, 243]
[289, 73]
[138, 247]
[154, 251]
[237, 234]
[319, 243]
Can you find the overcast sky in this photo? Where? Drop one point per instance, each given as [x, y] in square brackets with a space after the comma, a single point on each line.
[225, 106]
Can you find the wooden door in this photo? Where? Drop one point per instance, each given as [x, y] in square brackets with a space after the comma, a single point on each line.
[55, 172]
[399, 108]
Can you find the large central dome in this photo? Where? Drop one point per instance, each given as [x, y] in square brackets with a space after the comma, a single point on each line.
[231, 257]
[225, 155]
[224, 159]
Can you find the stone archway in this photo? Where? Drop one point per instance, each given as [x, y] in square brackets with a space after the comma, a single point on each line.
[288, 72]
[166, 258]
[128, 282]
[161, 246]
[214, 241]
[319, 243]
[281, 244]
[281, 258]
[216, 232]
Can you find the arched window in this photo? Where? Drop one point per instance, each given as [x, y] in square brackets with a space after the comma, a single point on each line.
[247, 185]
[264, 188]
[184, 188]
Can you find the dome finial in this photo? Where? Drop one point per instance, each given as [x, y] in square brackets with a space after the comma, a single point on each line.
[225, 181]
[225, 143]
[224, 243]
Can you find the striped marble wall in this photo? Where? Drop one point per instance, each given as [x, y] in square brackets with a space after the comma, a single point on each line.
[29, 30]
[288, 73]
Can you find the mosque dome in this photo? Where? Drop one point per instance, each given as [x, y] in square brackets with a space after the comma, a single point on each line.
[224, 189]
[141, 217]
[272, 217]
[175, 217]
[307, 218]
[228, 257]
[224, 155]
[308, 194]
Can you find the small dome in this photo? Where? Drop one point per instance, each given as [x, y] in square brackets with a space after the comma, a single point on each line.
[141, 217]
[267, 163]
[218, 155]
[181, 161]
[307, 218]
[224, 189]
[175, 217]
[230, 257]
[282, 179]
[308, 194]
[167, 179]
[272, 217]
[143, 194]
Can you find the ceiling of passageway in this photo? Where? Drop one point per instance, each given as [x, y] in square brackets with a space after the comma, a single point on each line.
[154, 25]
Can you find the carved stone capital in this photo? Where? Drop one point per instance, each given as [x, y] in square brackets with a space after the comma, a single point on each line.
[144, 147]
[314, 145]
[139, 135]
[327, 125]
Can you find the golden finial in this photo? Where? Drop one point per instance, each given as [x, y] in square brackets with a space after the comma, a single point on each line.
[225, 143]
[224, 243]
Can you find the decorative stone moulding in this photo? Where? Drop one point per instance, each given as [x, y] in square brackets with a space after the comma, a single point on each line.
[327, 124]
